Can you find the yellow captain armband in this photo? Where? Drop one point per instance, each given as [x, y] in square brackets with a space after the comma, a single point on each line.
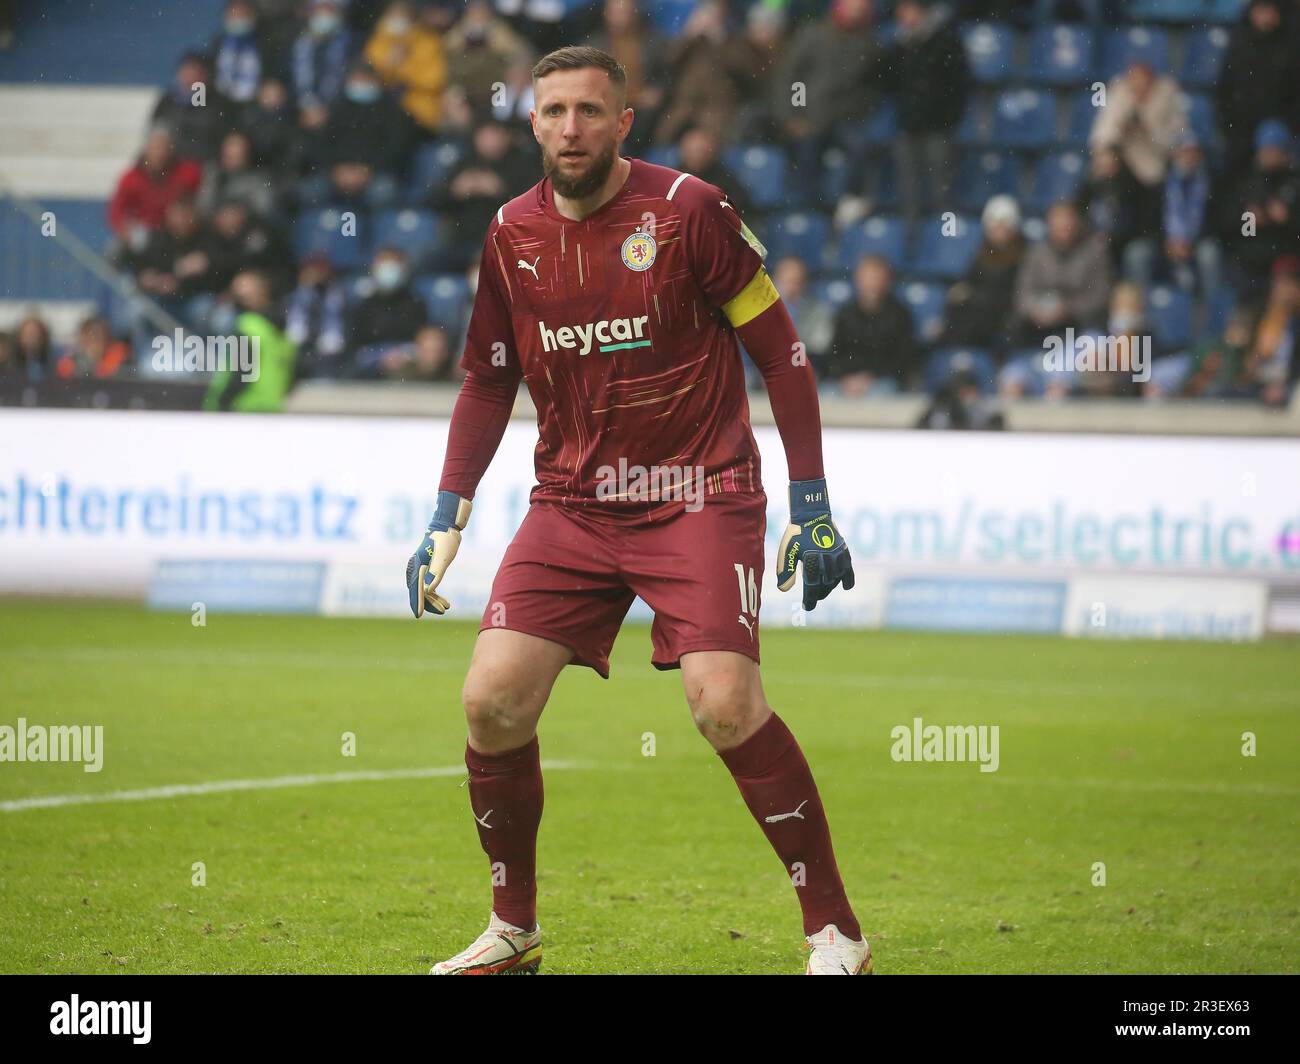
[752, 300]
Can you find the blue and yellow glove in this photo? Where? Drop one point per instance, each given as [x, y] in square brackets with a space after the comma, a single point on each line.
[428, 565]
[812, 538]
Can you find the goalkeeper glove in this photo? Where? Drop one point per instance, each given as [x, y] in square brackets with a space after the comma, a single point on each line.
[428, 565]
[812, 538]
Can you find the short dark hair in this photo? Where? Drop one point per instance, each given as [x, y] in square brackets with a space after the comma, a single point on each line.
[580, 57]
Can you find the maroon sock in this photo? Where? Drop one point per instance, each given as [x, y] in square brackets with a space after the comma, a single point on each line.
[505, 795]
[774, 779]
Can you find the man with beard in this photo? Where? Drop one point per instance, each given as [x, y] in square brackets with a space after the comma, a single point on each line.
[618, 291]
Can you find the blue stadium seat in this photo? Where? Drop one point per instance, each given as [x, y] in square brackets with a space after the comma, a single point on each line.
[990, 51]
[882, 236]
[946, 255]
[972, 131]
[1169, 310]
[804, 234]
[926, 302]
[881, 126]
[1056, 177]
[431, 166]
[983, 176]
[1222, 304]
[1125, 45]
[1203, 57]
[663, 155]
[1024, 118]
[669, 16]
[833, 291]
[447, 297]
[1170, 10]
[949, 360]
[1081, 114]
[1061, 54]
[761, 169]
[1200, 116]
[415, 232]
[322, 230]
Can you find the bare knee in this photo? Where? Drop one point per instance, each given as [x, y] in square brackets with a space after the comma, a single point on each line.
[727, 706]
[500, 715]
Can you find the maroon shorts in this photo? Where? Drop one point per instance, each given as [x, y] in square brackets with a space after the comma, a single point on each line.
[571, 579]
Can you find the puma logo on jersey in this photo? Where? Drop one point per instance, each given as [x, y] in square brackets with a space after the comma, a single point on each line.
[613, 335]
[522, 265]
[483, 819]
[796, 815]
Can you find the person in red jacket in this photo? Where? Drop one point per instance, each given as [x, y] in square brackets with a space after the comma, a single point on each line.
[144, 192]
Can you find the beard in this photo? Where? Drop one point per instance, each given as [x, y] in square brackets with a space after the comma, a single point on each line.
[581, 185]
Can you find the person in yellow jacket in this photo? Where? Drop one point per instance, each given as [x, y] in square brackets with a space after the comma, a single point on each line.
[407, 53]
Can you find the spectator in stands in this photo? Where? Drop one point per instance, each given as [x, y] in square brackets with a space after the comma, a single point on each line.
[1142, 119]
[176, 265]
[427, 358]
[479, 47]
[514, 100]
[494, 170]
[633, 40]
[365, 150]
[8, 361]
[1063, 281]
[929, 76]
[239, 241]
[873, 348]
[320, 62]
[236, 53]
[826, 84]
[980, 305]
[233, 176]
[1262, 218]
[1126, 340]
[698, 149]
[1258, 77]
[387, 318]
[158, 178]
[813, 320]
[1273, 364]
[257, 319]
[1187, 249]
[1115, 204]
[710, 74]
[316, 318]
[94, 352]
[408, 56]
[194, 109]
[32, 352]
[960, 406]
[1214, 369]
[272, 130]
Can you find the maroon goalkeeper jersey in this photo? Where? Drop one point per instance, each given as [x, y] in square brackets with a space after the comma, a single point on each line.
[614, 323]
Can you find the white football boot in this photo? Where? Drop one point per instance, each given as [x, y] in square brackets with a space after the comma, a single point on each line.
[502, 949]
[831, 953]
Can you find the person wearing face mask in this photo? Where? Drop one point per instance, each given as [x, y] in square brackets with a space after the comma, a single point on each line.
[236, 53]
[194, 109]
[320, 62]
[388, 319]
[479, 47]
[365, 149]
[408, 56]
[272, 130]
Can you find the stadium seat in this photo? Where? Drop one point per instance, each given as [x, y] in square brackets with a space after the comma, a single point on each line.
[1169, 312]
[1061, 54]
[430, 168]
[926, 302]
[447, 297]
[1203, 57]
[669, 16]
[1129, 43]
[972, 131]
[881, 126]
[663, 155]
[990, 51]
[946, 254]
[833, 291]
[1200, 116]
[322, 231]
[1080, 115]
[949, 360]
[762, 170]
[1024, 118]
[983, 176]
[1056, 177]
[882, 236]
[1170, 10]
[414, 232]
[804, 234]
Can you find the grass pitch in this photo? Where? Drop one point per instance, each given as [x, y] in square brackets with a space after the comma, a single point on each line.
[1124, 753]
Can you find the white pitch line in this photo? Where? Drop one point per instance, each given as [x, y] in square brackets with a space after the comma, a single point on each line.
[185, 790]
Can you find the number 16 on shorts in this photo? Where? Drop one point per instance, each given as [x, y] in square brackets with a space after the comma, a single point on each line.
[748, 597]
